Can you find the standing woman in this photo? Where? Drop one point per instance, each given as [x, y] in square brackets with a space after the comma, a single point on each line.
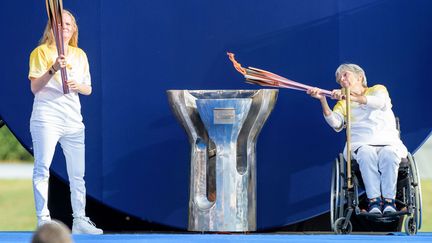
[56, 117]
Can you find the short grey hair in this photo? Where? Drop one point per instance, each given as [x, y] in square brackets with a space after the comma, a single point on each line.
[352, 68]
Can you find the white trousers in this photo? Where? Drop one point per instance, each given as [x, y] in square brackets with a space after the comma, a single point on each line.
[379, 169]
[45, 137]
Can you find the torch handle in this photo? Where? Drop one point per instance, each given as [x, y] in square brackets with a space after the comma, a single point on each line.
[54, 11]
[348, 134]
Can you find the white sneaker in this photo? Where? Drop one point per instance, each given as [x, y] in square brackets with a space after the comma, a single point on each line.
[43, 220]
[83, 225]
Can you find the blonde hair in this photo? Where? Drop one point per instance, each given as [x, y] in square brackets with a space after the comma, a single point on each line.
[48, 35]
[52, 232]
[352, 68]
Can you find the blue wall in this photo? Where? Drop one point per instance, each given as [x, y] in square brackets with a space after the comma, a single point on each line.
[137, 153]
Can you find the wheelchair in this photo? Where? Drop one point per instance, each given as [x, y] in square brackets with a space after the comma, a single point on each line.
[348, 204]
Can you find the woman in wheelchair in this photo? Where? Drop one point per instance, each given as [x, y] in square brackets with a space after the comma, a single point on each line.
[375, 142]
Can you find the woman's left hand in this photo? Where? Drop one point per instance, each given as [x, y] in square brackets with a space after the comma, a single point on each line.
[74, 86]
[359, 98]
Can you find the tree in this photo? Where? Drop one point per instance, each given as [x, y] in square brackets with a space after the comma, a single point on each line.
[10, 148]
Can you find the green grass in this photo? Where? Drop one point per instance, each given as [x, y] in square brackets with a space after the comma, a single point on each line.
[11, 149]
[427, 205]
[17, 211]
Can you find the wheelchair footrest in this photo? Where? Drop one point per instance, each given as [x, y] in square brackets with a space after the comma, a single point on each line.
[385, 218]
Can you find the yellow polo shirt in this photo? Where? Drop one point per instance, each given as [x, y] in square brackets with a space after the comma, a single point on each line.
[372, 123]
[50, 104]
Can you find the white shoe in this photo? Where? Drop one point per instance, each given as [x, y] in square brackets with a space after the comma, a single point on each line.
[83, 225]
[43, 220]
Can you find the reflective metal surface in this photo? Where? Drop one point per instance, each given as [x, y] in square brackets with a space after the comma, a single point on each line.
[222, 126]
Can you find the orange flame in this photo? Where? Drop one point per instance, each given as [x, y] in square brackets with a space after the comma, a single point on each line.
[236, 64]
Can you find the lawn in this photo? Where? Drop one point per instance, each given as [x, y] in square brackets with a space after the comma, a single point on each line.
[427, 205]
[17, 211]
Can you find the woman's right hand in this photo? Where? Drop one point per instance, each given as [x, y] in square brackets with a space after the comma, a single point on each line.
[315, 93]
[60, 62]
[337, 94]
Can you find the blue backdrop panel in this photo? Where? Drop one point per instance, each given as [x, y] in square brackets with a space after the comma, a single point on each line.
[137, 153]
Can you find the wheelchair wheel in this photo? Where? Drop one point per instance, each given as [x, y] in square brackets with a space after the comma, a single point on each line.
[339, 226]
[336, 196]
[410, 225]
[417, 215]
